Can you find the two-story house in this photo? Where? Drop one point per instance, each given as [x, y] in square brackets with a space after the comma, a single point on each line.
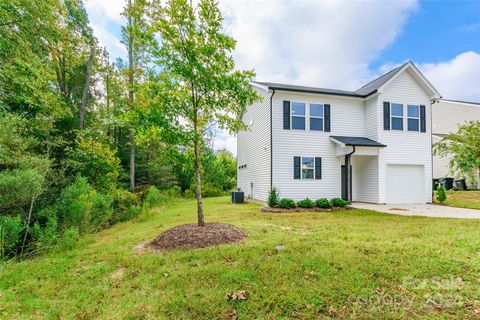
[301, 140]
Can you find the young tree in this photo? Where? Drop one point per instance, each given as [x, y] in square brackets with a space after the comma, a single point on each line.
[464, 149]
[204, 89]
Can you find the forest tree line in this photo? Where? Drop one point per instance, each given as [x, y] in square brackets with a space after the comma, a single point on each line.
[85, 142]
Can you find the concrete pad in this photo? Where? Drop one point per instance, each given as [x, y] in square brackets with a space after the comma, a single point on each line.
[424, 210]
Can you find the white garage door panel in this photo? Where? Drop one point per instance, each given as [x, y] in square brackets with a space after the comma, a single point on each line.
[405, 184]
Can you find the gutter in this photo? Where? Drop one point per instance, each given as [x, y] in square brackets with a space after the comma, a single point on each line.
[271, 138]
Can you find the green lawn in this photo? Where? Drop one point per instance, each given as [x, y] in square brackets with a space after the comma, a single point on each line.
[347, 264]
[463, 199]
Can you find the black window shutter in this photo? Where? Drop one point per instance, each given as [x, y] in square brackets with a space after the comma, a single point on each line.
[318, 168]
[423, 120]
[286, 115]
[296, 167]
[386, 116]
[326, 118]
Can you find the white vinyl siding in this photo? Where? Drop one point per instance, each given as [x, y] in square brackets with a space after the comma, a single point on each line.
[347, 118]
[253, 149]
[405, 147]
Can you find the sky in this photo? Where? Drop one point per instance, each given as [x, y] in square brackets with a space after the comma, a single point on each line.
[337, 44]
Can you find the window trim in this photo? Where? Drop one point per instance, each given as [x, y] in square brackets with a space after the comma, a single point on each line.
[316, 117]
[304, 116]
[414, 118]
[397, 117]
[301, 167]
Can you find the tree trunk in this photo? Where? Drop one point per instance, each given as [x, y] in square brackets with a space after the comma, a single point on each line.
[132, 160]
[131, 96]
[83, 104]
[478, 178]
[29, 219]
[198, 181]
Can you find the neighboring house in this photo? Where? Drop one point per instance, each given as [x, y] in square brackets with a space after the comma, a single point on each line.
[447, 115]
[301, 138]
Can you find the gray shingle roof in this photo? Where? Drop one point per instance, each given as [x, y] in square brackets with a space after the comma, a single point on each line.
[289, 87]
[363, 92]
[374, 85]
[358, 141]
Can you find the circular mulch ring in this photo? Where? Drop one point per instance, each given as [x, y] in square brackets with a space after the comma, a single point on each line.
[192, 236]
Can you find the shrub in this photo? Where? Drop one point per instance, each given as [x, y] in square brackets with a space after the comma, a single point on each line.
[305, 203]
[10, 231]
[125, 206]
[273, 197]
[323, 203]
[286, 203]
[81, 206]
[441, 194]
[338, 202]
[156, 197]
[69, 238]
[45, 230]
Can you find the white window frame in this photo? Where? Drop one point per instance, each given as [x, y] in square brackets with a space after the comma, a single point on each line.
[414, 118]
[301, 167]
[304, 116]
[397, 117]
[316, 117]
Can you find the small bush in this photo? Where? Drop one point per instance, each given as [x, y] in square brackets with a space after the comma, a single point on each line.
[81, 206]
[323, 203]
[441, 194]
[125, 206]
[305, 203]
[69, 238]
[286, 203]
[273, 197]
[10, 231]
[338, 202]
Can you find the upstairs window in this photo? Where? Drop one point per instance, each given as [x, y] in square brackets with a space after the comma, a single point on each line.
[298, 115]
[413, 118]
[316, 116]
[397, 116]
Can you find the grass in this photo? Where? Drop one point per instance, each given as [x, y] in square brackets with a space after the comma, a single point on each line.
[462, 199]
[348, 264]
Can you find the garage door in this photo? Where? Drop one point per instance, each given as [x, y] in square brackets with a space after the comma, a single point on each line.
[405, 184]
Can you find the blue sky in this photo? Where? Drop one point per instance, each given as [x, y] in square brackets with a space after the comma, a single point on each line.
[338, 44]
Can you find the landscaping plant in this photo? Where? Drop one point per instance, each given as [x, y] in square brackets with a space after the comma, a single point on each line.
[286, 203]
[273, 197]
[441, 194]
[306, 203]
[323, 203]
[338, 202]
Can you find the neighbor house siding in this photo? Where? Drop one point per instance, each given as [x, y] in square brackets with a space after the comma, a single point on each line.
[253, 149]
[347, 118]
[446, 117]
[405, 147]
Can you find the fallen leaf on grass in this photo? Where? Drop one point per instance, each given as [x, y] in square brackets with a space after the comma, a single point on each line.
[237, 295]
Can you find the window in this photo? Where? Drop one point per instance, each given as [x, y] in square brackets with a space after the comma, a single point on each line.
[298, 115]
[413, 118]
[316, 117]
[397, 116]
[308, 168]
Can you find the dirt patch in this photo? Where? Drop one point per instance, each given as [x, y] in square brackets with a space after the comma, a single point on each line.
[316, 209]
[191, 236]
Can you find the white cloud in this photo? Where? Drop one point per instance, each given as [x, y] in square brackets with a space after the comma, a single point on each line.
[319, 43]
[105, 17]
[457, 78]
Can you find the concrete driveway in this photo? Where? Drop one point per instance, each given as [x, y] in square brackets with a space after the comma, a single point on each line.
[426, 210]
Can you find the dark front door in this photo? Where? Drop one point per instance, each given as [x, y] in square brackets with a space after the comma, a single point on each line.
[344, 182]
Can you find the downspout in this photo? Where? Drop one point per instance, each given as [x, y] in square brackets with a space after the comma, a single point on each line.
[271, 139]
[349, 177]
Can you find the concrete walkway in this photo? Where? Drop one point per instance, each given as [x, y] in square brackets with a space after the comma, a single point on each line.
[426, 210]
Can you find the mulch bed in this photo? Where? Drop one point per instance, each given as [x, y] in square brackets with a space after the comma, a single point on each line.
[192, 236]
[316, 209]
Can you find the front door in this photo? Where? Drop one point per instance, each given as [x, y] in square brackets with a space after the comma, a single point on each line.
[344, 182]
